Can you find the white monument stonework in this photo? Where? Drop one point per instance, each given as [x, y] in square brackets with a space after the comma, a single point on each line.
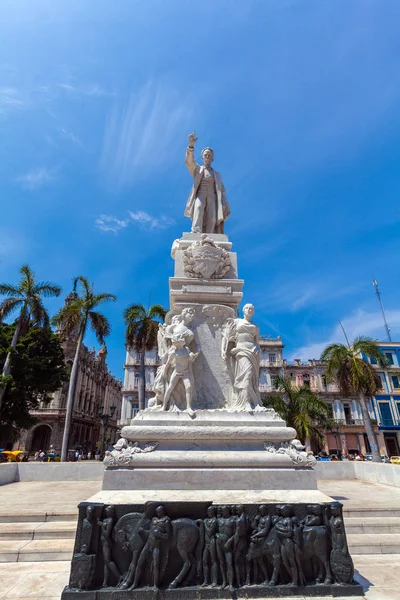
[206, 427]
[206, 480]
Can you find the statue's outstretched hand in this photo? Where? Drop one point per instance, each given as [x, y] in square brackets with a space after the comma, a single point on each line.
[192, 138]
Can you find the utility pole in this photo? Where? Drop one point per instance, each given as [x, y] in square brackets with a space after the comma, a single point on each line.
[377, 292]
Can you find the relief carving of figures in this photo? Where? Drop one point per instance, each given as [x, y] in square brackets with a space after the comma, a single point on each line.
[243, 527]
[299, 545]
[261, 526]
[241, 352]
[87, 530]
[225, 546]
[340, 559]
[153, 539]
[106, 526]
[157, 547]
[316, 544]
[295, 449]
[205, 260]
[207, 204]
[83, 566]
[287, 546]
[174, 341]
[210, 548]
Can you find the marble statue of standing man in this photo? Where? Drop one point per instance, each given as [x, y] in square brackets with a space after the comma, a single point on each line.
[207, 204]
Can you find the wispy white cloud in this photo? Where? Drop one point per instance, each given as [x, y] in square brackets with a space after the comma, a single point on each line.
[143, 133]
[79, 89]
[148, 222]
[10, 99]
[110, 223]
[360, 322]
[69, 136]
[298, 293]
[36, 178]
[141, 218]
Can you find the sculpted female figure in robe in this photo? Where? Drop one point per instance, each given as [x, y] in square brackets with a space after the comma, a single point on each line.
[207, 204]
[240, 347]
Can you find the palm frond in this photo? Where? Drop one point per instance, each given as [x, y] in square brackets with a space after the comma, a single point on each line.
[134, 312]
[85, 284]
[8, 306]
[28, 278]
[47, 289]
[157, 310]
[100, 326]
[40, 316]
[94, 300]
[6, 289]
[69, 318]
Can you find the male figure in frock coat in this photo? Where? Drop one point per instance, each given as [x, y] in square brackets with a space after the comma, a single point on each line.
[207, 204]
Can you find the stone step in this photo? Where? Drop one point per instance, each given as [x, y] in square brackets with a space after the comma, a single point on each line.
[36, 550]
[370, 512]
[374, 543]
[38, 530]
[31, 515]
[372, 525]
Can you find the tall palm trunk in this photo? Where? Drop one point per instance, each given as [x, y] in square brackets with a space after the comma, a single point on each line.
[142, 379]
[369, 428]
[7, 364]
[71, 395]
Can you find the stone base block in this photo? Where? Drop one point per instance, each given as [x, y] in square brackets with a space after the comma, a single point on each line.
[194, 593]
[178, 545]
[209, 479]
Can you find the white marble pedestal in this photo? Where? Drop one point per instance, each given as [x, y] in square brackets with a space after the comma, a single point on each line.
[215, 450]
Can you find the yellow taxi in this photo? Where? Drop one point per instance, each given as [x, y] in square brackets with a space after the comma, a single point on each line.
[395, 460]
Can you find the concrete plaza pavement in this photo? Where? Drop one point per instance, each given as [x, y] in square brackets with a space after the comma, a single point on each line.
[379, 574]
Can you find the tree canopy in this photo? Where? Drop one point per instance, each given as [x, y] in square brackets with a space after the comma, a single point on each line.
[37, 370]
[303, 410]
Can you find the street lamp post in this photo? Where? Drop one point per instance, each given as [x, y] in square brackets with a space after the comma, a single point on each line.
[105, 417]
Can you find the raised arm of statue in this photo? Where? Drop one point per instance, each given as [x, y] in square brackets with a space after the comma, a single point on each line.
[191, 164]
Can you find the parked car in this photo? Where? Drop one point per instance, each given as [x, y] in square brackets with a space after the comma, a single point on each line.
[395, 460]
[384, 458]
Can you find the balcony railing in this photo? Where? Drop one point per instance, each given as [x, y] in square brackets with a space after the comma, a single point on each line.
[340, 422]
[389, 423]
[264, 362]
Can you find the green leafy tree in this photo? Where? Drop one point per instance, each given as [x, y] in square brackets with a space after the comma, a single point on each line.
[355, 377]
[37, 370]
[73, 320]
[303, 410]
[141, 334]
[27, 297]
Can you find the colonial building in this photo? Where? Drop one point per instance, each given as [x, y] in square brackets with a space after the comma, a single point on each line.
[348, 433]
[386, 402]
[97, 407]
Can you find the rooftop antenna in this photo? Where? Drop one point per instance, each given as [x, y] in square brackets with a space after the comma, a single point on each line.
[377, 292]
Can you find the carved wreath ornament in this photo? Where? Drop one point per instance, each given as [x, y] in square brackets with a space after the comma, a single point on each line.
[295, 450]
[205, 260]
[124, 452]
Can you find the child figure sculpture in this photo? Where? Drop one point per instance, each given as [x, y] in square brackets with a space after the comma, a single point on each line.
[180, 359]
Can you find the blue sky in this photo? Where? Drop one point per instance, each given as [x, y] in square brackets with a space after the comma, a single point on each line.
[299, 99]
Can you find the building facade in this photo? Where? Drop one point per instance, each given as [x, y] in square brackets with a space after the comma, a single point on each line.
[386, 402]
[348, 432]
[97, 392]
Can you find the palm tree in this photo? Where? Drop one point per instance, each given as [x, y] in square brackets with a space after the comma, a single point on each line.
[303, 410]
[141, 334]
[27, 297]
[74, 319]
[355, 377]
